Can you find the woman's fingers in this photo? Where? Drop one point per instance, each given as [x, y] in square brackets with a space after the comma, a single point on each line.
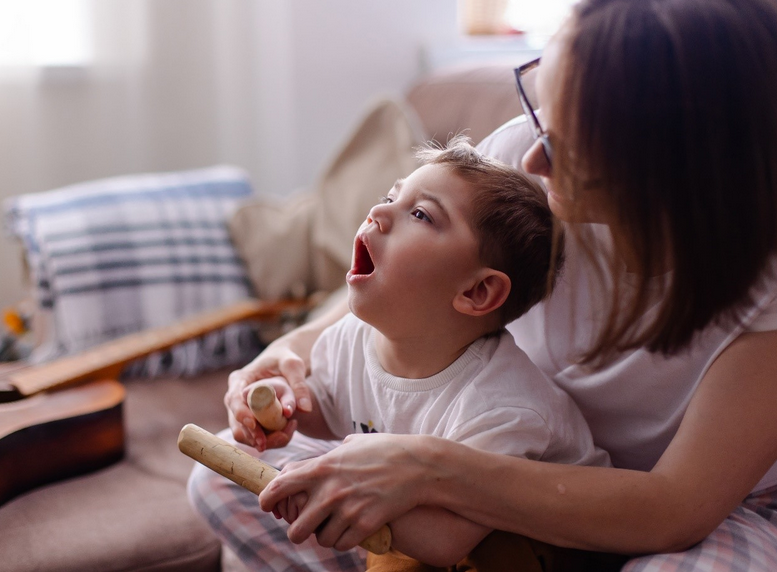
[300, 481]
[352, 490]
[355, 534]
[346, 528]
[294, 506]
[311, 519]
[281, 488]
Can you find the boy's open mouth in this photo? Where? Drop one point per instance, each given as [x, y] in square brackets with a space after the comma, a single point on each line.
[362, 261]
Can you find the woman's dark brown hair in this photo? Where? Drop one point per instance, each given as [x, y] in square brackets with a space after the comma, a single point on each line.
[671, 106]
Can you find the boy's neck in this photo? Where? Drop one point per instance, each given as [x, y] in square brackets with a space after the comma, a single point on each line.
[421, 356]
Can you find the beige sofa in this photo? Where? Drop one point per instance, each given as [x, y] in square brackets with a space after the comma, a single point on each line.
[134, 515]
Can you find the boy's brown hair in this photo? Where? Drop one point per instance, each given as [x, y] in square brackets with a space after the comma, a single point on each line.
[510, 216]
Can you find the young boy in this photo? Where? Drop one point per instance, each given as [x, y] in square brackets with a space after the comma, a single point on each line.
[455, 251]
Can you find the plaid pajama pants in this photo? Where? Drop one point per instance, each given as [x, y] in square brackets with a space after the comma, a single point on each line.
[745, 542]
[256, 537]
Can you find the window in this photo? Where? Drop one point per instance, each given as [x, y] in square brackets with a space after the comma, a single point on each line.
[537, 19]
[45, 33]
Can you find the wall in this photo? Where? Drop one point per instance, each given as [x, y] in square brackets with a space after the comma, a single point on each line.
[272, 86]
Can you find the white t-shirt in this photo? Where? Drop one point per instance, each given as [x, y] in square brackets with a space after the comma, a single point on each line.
[492, 398]
[635, 405]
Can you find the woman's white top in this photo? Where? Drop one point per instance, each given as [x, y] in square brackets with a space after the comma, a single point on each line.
[634, 405]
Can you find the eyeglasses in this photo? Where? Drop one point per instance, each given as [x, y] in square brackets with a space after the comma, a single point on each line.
[529, 104]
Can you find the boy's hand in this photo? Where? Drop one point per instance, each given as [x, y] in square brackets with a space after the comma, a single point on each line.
[289, 508]
[264, 437]
[276, 360]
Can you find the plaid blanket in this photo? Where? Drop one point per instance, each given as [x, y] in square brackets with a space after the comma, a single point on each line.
[121, 255]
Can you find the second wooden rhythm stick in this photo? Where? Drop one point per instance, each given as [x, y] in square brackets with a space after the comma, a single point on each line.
[248, 472]
[266, 408]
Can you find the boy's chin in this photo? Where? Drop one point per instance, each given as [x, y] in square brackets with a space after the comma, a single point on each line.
[353, 304]
[362, 307]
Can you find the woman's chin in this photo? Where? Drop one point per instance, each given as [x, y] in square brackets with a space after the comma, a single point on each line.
[567, 211]
[560, 207]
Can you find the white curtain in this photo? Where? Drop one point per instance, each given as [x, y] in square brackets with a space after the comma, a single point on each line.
[271, 86]
[171, 85]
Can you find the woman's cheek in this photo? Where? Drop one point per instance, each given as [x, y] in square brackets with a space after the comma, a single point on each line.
[561, 208]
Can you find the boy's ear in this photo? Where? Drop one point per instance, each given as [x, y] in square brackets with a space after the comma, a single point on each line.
[486, 293]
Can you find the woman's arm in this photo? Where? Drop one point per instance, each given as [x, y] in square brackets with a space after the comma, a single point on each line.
[289, 357]
[726, 442]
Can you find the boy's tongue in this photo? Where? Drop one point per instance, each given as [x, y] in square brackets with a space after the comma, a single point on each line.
[362, 261]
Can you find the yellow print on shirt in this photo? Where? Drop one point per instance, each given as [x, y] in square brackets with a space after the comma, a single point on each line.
[365, 428]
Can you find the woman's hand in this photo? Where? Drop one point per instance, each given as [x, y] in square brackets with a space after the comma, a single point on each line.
[290, 507]
[354, 489]
[278, 359]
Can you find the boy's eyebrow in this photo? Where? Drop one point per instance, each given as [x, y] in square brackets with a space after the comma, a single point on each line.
[430, 197]
[424, 195]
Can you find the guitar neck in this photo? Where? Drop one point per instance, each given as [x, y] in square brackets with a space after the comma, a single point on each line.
[108, 359]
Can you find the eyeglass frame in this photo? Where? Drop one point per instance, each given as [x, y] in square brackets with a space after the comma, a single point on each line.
[528, 110]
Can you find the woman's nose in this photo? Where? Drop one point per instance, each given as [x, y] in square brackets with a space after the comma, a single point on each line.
[535, 161]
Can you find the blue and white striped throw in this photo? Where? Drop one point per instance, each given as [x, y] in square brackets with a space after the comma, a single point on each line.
[125, 254]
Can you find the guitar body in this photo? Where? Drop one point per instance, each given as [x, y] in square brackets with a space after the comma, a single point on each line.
[56, 421]
[59, 434]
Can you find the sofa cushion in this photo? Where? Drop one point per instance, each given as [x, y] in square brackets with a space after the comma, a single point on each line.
[471, 98]
[135, 514]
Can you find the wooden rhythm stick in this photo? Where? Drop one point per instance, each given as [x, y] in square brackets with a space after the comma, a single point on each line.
[266, 407]
[249, 472]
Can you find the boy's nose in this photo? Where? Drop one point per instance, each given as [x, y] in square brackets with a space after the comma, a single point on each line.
[379, 214]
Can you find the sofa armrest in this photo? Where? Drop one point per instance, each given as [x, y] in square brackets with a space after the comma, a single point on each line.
[109, 358]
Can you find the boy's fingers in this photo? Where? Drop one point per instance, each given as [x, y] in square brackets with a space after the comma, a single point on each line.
[278, 439]
[241, 421]
[239, 431]
[284, 393]
[294, 370]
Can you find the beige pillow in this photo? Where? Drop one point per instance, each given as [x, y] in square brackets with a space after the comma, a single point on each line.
[273, 239]
[304, 245]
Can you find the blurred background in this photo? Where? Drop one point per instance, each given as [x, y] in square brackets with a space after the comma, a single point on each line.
[99, 88]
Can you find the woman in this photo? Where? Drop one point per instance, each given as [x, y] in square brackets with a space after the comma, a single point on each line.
[657, 143]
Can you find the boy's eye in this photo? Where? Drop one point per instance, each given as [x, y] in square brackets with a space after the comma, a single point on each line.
[420, 215]
[385, 200]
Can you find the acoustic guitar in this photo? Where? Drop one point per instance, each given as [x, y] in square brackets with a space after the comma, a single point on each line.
[64, 418]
